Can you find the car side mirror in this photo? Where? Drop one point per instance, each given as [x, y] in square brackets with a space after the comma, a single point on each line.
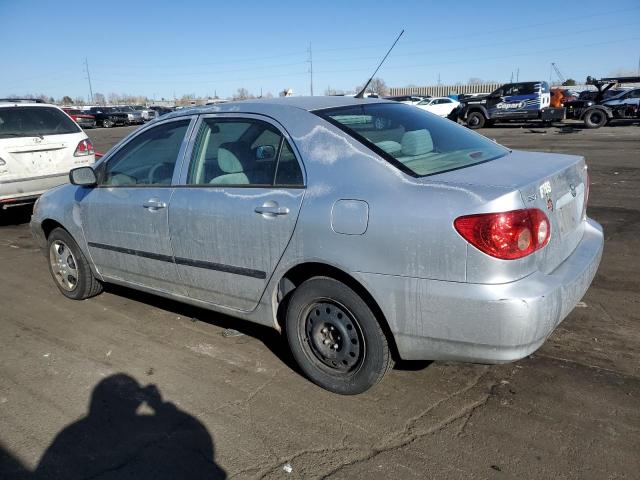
[265, 152]
[83, 177]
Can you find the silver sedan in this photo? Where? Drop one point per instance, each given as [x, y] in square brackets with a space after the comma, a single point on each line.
[363, 229]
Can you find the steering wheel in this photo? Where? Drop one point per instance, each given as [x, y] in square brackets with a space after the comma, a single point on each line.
[152, 173]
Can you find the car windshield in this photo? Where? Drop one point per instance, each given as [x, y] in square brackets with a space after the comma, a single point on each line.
[413, 140]
[34, 122]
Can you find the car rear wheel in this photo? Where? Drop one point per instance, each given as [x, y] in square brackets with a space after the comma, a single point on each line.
[595, 119]
[335, 338]
[475, 120]
[69, 267]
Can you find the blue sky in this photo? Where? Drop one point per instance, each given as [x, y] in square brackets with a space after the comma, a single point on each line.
[166, 48]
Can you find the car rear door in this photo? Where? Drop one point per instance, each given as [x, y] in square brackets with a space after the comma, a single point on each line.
[234, 216]
[125, 217]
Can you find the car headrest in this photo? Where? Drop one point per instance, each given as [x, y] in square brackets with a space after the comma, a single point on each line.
[228, 162]
[417, 142]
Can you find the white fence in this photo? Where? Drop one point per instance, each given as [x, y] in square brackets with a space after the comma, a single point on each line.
[444, 90]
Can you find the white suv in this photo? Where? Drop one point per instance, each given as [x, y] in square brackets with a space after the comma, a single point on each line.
[39, 144]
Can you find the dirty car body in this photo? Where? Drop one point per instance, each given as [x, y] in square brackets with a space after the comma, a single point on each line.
[397, 211]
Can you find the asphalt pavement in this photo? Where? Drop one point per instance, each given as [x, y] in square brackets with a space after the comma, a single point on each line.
[209, 405]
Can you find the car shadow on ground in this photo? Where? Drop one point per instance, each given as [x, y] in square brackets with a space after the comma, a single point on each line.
[15, 215]
[115, 440]
[270, 338]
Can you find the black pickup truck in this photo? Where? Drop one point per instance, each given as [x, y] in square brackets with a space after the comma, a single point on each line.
[108, 116]
[524, 101]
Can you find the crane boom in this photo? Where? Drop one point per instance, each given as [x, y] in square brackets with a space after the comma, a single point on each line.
[558, 73]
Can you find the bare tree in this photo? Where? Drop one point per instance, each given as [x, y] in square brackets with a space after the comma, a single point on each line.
[66, 100]
[78, 100]
[99, 99]
[379, 87]
[242, 94]
[475, 81]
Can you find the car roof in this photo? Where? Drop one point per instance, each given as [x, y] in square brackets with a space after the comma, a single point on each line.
[18, 104]
[266, 105]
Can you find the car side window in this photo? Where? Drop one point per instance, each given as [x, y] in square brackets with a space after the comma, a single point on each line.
[148, 159]
[242, 152]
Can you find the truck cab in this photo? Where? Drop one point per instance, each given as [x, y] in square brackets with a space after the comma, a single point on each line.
[512, 101]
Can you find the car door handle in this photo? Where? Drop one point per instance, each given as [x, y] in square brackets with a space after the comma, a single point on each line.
[271, 209]
[154, 204]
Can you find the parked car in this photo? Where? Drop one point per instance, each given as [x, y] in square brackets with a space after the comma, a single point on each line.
[423, 240]
[147, 114]
[85, 120]
[108, 116]
[161, 110]
[441, 106]
[408, 99]
[134, 117]
[607, 103]
[39, 144]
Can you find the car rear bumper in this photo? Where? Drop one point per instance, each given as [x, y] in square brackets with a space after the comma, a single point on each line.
[24, 190]
[86, 123]
[436, 320]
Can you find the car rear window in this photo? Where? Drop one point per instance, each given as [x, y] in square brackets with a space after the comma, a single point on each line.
[34, 122]
[413, 140]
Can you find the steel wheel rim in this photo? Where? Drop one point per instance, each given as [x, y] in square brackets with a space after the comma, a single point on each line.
[333, 337]
[474, 121]
[63, 265]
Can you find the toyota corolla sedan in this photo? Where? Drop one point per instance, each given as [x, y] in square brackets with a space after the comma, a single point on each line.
[364, 230]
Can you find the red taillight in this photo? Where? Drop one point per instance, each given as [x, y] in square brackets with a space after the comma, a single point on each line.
[506, 235]
[85, 147]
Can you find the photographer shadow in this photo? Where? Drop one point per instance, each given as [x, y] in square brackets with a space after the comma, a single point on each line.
[116, 440]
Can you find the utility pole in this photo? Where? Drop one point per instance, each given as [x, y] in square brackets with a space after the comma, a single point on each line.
[310, 60]
[86, 66]
[518, 75]
[438, 79]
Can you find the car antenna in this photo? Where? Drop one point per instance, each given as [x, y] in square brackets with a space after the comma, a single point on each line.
[360, 94]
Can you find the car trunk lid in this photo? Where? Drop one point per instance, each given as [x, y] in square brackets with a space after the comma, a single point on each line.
[38, 156]
[556, 184]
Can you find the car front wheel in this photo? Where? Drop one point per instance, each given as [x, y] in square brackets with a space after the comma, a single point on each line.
[69, 267]
[475, 120]
[335, 338]
[107, 123]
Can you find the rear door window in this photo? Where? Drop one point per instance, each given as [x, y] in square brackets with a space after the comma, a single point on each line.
[242, 152]
[35, 122]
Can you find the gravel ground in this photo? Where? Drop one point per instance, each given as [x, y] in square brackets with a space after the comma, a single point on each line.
[236, 406]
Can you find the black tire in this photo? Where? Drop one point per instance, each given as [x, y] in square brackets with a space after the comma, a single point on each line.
[66, 261]
[595, 118]
[476, 120]
[335, 338]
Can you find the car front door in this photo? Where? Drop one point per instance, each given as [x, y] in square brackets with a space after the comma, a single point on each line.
[124, 218]
[234, 216]
[521, 100]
